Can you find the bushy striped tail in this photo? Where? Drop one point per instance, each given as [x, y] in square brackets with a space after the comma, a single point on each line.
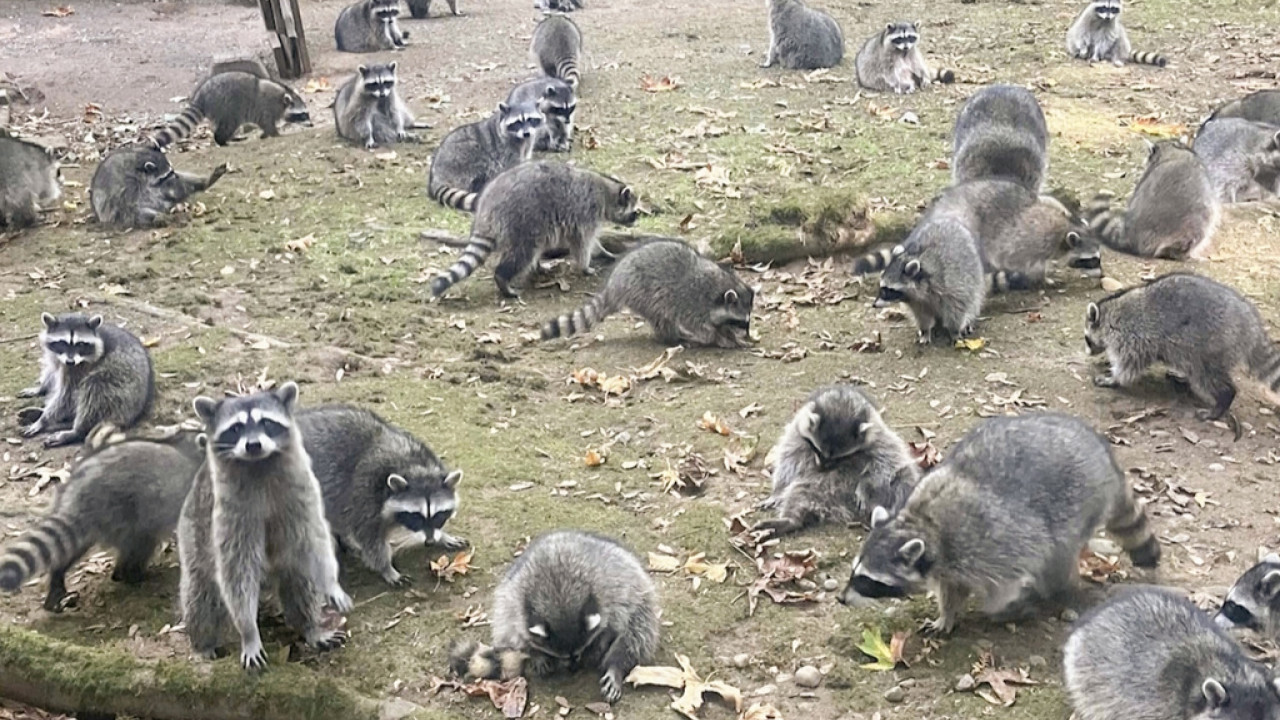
[946, 76]
[51, 543]
[1106, 223]
[583, 319]
[473, 256]
[1264, 364]
[875, 261]
[1128, 525]
[567, 70]
[181, 127]
[1003, 281]
[1148, 58]
[455, 198]
[473, 660]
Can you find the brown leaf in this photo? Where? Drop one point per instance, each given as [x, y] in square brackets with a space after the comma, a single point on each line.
[999, 680]
[447, 569]
[872, 344]
[59, 12]
[714, 423]
[686, 678]
[594, 458]
[777, 572]
[666, 83]
[510, 696]
[1098, 568]
[926, 454]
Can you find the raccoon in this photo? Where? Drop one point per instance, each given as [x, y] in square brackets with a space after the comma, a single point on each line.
[1242, 158]
[556, 100]
[377, 478]
[891, 61]
[801, 37]
[229, 100]
[1004, 517]
[1173, 213]
[251, 66]
[686, 298]
[421, 9]
[572, 600]
[91, 372]
[135, 186]
[1001, 133]
[1150, 653]
[1253, 602]
[368, 109]
[558, 5]
[535, 206]
[1261, 106]
[472, 155]
[370, 26]
[1200, 329]
[29, 180]
[1098, 36]
[255, 512]
[556, 48]
[124, 493]
[835, 462]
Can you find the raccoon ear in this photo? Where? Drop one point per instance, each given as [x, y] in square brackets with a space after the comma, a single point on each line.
[1151, 147]
[1271, 584]
[888, 26]
[392, 65]
[593, 621]
[1091, 314]
[865, 428]
[363, 70]
[898, 250]
[503, 108]
[1215, 696]
[205, 408]
[912, 270]
[202, 441]
[911, 550]
[397, 483]
[879, 517]
[149, 167]
[1275, 141]
[730, 297]
[539, 630]
[1272, 559]
[627, 195]
[47, 319]
[452, 479]
[95, 322]
[807, 419]
[288, 394]
[1073, 239]
[1275, 686]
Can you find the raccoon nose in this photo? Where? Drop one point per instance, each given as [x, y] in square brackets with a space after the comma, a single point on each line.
[253, 447]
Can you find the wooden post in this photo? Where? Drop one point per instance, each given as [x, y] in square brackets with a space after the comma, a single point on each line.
[290, 46]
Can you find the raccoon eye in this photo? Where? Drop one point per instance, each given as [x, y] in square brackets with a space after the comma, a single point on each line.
[84, 347]
[271, 427]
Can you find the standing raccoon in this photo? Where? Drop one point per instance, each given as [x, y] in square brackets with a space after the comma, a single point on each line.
[572, 600]
[473, 154]
[1253, 602]
[1001, 133]
[421, 9]
[376, 479]
[135, 186]
[891, 61]
[1200, 329]
[1150, 654]
[556, 100]
[1004, 517]
[1261, 106]
[229, 100]
[1098, 36]
[801, 37]
[368, 109]
[1173, 213]
[536, 206]
[1242, 158]
[557, 48]
[255, 513]
[29, 180]
[370, 26]
[91, 372]
[124, 493]
[837, 461]
[686, 298]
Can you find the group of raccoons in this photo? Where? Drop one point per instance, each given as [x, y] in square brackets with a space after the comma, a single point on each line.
[263, 493]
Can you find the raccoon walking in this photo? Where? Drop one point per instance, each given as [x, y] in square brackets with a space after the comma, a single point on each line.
[557, 102]
[124, 493]
[135, 186]
[686, 298]
[229, 100]
[557, 47]
[421, 9]
[1098, 36]
[472, 155]
[1004, 517]
[1200, 329]
[1150, 653]
[801, 37]
[29, 180]
[536, 206]
[377, 478]
[572, 600]
[370, 26]
[1242, 158]
[368, 109]
[255, 513]
[891, 61]
[836, 461]
[1001, 133]
[91, 372]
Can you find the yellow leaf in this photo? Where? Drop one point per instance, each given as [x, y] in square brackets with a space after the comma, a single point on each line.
[663, 563]
[594, 458]
[971, 344]
[714, 423]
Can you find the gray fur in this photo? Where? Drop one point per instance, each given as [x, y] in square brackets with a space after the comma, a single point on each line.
[28, 181]
[256, 514]
[377, 479]
[837, 461]
[1097, 35]
[473, 154]
[1261, 106]
[368, 109]
[135, 186]
[558, 5]
[1150, 654]
[421, 9]
[557, 102]
[536, 206]
[1004, 518]
[557, 48]
[231, 99]
[1253, 602]
[686, 298]
[91, 372]
[1001, 133]
[801, 37]
[370, 26]
[1242, 158]
[252, 66]
[891, 61]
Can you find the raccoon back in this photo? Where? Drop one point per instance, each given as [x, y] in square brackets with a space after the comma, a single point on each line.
[1174, 209]
[805, 38]
[1001, 132]
[28, 176]
[1229, 149]
[357, 30]
[470, 156]
[556, 39]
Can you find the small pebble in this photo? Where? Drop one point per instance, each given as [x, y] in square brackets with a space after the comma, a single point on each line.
[782, 678]
[808, 677]
[1037, 661]
[965, 683]
[741, 660]
[765, 690]
[908, 683]
[895, 694]
[1217, 467]
[1104, 546]
[830, 584]
[1070, 615]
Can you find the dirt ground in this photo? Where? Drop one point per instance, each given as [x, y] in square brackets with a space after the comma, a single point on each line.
[314, 244]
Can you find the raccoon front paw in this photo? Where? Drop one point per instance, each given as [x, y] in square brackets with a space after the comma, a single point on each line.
[937, 627]
[340, 600]
[370, 144]
[611, 686]
[329, 640]
[35, 428]
[768, 503]
[33, 391]
[539, 665]
[56, 603]
[451, 542]
[924, 337]
[1106, 380]
[218, 172]
[253, 657]
[62, 437]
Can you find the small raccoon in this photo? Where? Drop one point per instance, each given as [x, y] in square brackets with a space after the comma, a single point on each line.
[1173, 213]
[255, 513]
[686, 298]
[1004, 517]
[368, 109]
[536, 206]
[836, 461]
[557, 47]
[1001, 133]
[1098, 36]
[1200, 329]
[1261, 106]
[558, 5]
[556, 100]
[91, 372]
[572, 600]
[421, 9]
[801, 37]
[377, 478]
[135, 186]
[229, 100]
[472, 155]
[1242, 158]
[29, 180]
[891, 61]
[1253, 603]
[370, 26]
[1150, 653]
[125, 493]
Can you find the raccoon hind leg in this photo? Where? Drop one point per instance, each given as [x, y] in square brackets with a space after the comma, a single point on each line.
[517, 261]
[132, 561]
[1128, 525]
[303, 605]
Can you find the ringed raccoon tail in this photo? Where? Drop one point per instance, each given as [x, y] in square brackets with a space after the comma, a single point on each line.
[474, 660]
[874, 261]
[181, 127]
[1148, 58]
[1003, 281]
[582, 319]
[1264, 364]
[52, 542]
[103, 435]
[1128, 525]
[945, 76]
[455, 198]
[567, 70]
[473, 256]
[1108, 224]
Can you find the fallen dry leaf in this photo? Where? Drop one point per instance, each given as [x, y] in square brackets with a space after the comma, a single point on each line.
[714, 423]
[660, 562]
[1151, 125]
[315, 85]
[510, 696]
[971, 344]
[666, 83]
[761, 712]
[926, 454]
[777, 573]
[302, 244]
[886, 656]
[59, 12]
[1098, 568]
[447, 569]
[1000, 680]
[686, 678]
[1111, 284]
[594, 458]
